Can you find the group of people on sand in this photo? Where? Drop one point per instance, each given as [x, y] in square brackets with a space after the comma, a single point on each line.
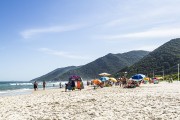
[73, 84]
[122, 82]
[36, 85]
[78, 84]
[128, 83]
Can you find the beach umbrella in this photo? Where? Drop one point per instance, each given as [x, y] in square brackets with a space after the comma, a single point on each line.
[96, 81]
[112, 79]
[104, 79]
[146, 78]
[138, 77]
[104, 74]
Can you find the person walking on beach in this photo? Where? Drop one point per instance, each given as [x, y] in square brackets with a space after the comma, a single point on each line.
[60, 85]
[44, 85]
[35, 86]
[73, 85]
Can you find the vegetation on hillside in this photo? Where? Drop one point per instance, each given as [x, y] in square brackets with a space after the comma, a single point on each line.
[109, 63]
[163, 59]
[54, 74]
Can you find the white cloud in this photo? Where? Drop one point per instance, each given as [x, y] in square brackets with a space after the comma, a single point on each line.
[153, 33]
[62, 54]
[130, 20]
[158, 15]
[53, 29]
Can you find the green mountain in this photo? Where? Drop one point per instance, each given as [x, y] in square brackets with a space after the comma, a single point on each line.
[109, 63]
[54, 75]
[163, 59]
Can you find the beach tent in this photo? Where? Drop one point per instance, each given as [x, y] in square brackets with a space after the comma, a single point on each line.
[138, 77]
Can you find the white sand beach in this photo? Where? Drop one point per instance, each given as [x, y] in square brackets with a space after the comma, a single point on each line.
[148, 102]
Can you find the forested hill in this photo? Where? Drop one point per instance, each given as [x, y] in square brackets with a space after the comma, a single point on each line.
[54, 75]
[110, 63]
[165, 58]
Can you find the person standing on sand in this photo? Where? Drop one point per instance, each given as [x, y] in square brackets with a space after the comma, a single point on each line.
[44, 85]
[79, 84]
[88, 83]
[124, 82]
[66, 85]
[60, 85]
[73, 85]
[35, 86]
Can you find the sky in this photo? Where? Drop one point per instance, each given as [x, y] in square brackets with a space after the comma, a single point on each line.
[38, 36]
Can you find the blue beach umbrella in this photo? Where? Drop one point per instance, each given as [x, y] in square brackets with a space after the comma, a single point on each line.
[104, 79]
[138, 77]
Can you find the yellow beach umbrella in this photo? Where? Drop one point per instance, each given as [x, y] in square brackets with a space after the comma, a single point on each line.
[112, 79]
[146, 78]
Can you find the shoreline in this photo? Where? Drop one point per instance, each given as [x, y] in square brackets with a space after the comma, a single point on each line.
[149, 101]
[29, 88]
[16, 92]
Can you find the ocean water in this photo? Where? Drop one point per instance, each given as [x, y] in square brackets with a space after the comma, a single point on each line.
[11, 88]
